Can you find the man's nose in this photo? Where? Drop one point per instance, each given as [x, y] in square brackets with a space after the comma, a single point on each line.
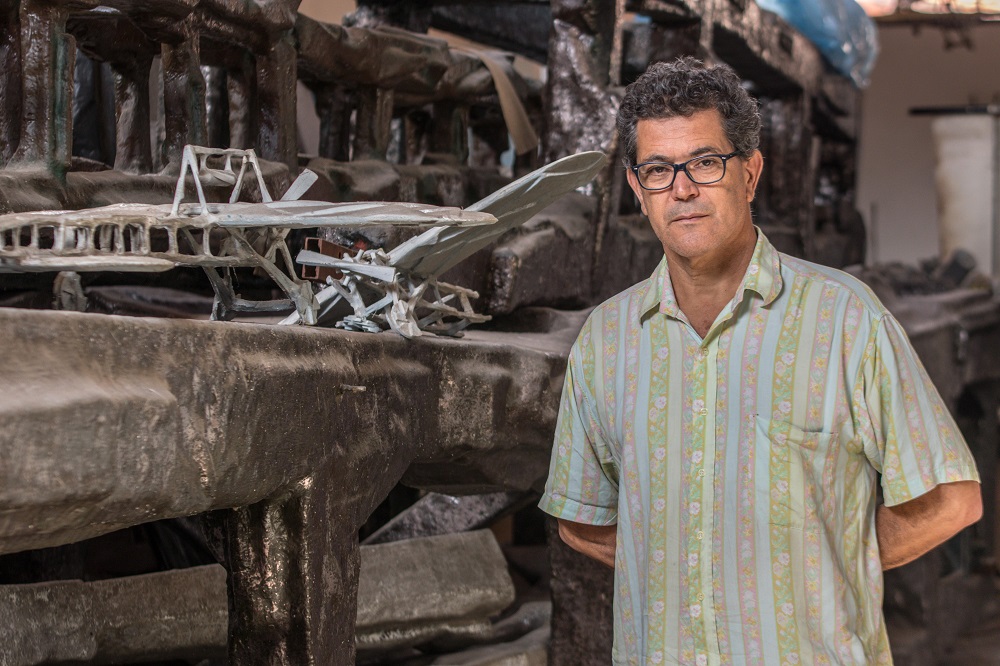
[684, 188]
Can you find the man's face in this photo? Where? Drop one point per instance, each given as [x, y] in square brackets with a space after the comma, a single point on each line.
[696, 221]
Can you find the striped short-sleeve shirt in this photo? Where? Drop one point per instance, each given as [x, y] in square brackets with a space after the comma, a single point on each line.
[741, 469]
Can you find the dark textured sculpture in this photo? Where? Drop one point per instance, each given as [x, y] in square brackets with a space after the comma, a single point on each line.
[277, 421]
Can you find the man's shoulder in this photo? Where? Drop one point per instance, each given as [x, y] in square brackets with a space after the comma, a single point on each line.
[629, 299]
[627, 302]
[847, 285]
[609, 318]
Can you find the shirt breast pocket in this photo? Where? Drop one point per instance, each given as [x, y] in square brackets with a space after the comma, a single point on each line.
[789, 472]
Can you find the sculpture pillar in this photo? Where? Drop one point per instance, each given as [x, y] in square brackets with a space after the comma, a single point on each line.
[293, 579]
[133, 150]
[10, 80]
[48, 55]
[183, 98]
[276, 81]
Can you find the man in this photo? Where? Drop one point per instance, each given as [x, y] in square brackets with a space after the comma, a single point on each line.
[724, 424]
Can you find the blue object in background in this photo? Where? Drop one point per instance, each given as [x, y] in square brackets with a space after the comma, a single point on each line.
[840, 29]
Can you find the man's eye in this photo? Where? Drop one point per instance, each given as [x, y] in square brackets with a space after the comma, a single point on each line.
[658, 170]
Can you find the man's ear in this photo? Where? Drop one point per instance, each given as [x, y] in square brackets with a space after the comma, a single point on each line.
[633, 182]
[753, 166]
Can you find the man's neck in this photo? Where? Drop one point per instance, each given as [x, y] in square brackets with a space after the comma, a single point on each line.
[703, 286]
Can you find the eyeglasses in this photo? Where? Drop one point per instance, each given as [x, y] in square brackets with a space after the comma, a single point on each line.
[702, 170]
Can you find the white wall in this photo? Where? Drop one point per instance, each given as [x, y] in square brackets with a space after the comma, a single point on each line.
[327, 11]
[896, 155]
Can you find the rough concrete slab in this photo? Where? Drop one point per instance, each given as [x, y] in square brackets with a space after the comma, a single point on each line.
[128, 420]
[435, 514]
[526, 619]
[409, 593]
[529, 650]
[364, 180]
[409, 586]
[178, 614]
[521, 273]
[111, 421]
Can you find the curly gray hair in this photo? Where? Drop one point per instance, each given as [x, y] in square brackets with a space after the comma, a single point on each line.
[683, 87]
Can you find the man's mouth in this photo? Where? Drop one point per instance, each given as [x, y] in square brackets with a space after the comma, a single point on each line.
[689, 217]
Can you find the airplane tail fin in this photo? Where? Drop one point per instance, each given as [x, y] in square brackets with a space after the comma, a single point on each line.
[430, 254]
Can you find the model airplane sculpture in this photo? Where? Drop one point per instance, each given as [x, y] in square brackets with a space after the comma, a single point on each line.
[214, 236]
[220, 236]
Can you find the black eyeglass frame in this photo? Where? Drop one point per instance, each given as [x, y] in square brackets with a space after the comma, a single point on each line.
[682, 166]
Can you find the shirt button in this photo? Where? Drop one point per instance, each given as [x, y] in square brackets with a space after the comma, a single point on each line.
[704, 411]
[701, 597]
[701, 473]
[700, 535]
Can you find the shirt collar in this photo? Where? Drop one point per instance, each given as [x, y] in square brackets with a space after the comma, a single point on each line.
[763, 276]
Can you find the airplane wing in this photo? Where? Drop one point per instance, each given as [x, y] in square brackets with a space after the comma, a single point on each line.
[436, 250]
[87, 217]
[306, 214]
[283, 214]
[93, 239]
[120, 237]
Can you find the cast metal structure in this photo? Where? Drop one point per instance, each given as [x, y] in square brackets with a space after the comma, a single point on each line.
[144, 237]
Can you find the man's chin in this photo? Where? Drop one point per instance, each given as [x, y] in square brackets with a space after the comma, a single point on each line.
[690, 250]
[692, 237]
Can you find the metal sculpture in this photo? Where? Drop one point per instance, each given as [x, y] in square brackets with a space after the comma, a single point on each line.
[396, 289]
[214, 236]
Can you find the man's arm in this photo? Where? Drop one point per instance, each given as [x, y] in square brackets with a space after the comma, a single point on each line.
[596, 541]
[908, 530]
